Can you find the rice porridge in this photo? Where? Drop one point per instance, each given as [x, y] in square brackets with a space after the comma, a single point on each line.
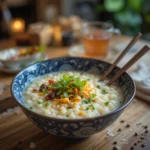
[72, 95]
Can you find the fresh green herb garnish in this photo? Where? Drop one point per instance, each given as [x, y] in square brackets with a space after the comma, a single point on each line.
[47, 104]
[98, 86]
[106, 103]
[71, 77]
[84, 102]
[65, 94]
[70, 90]
[104, 92]
[59, 92]
[82, 83]
[67, 84]
[31, 107]
[78, 83]
[65, 77]
[57, 85]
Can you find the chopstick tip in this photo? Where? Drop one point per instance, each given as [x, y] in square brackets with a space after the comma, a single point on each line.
[139, 34]
[146, 47]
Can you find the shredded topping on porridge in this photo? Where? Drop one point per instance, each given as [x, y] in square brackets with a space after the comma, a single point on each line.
[67, 89]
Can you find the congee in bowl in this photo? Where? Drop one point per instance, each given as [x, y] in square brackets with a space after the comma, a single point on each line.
[72, 95]
[66, 97]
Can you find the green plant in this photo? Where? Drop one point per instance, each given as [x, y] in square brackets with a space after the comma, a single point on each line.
[128, 15]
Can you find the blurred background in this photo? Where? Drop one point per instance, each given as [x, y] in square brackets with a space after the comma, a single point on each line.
[37, 30]
[129, 16]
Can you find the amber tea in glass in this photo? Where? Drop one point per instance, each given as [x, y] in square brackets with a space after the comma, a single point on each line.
[96, 37]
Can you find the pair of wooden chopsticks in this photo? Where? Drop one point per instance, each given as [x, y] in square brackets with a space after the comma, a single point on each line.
[129, 63]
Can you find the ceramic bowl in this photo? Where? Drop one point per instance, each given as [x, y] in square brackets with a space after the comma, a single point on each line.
[24, 61]
[71, 129]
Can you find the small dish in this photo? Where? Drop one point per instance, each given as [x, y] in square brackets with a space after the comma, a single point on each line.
[19, 56]
[15, 70]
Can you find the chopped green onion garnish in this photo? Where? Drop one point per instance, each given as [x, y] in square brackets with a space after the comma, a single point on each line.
[106, 103]
[104, 92]
[39, 102]
[91, 100]
[84, 102]
[90, 107]
[93, 95]
[47, 104]
[98, 86]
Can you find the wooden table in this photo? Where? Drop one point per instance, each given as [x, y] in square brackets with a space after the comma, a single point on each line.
[17, 132]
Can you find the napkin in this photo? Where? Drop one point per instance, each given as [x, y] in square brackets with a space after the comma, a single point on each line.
[142, 80]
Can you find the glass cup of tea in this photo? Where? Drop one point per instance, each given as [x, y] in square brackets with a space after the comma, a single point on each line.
[96, 37]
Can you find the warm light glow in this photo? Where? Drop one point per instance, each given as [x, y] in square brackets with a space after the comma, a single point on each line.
[57, 34]
[17, 25]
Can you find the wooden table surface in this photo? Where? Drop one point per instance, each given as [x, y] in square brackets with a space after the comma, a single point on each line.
[17, 132]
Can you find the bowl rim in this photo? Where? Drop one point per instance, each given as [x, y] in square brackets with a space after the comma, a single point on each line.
[79, 119]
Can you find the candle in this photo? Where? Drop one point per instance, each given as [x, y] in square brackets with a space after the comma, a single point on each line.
[17, 25]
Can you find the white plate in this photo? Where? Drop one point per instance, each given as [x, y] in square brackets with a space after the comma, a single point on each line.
[16, 70]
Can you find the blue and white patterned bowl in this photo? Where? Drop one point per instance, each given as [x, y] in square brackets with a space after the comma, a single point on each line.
[71, 129]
